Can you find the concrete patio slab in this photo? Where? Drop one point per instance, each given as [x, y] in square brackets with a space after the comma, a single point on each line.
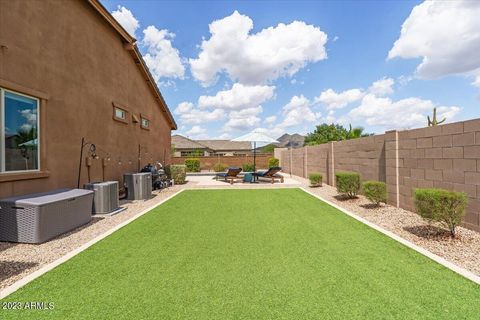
[210, 181]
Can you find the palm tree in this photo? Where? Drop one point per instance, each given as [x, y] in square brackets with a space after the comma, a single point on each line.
[357, 132]
[25, 135]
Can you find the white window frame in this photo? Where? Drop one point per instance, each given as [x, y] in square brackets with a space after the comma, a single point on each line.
[124, 112]
[2, 131]
[142, 119]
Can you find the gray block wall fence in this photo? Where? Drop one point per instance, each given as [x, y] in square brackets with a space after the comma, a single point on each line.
[445, 156]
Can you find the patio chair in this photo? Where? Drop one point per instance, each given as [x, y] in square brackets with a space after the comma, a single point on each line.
[231, 175]
[271, 174]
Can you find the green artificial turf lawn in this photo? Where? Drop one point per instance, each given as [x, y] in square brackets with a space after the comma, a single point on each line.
[249, 254]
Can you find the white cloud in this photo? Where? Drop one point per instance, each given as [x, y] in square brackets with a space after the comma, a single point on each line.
[334, 100]
[162, 58]
[189, 114]
[197, 131]
[274, 133]
[243, 119]
[401, 114]
[445, 34]
[382, 87]
[184, 107]
[224, 136]
[297, 112]
[256, 58]
[476, 82]
[238, 97]
[270, 120]
[126, 19]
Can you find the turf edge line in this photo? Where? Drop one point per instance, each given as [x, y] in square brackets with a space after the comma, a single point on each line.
[461, 271]
[32, 276]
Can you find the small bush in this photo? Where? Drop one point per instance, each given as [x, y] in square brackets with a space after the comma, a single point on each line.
[273, 162]
[375, 191]
[446, 207]
[177, 172]
[247, 167]
[219, 167]
[348, 183]
[193, 165]
[315, 179]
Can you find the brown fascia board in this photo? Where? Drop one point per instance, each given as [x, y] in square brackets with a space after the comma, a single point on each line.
[129, 44]
[111, 20]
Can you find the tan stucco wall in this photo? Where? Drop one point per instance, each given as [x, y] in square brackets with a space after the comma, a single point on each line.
[66, 51]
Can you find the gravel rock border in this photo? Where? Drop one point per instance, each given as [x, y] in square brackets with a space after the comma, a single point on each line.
[17, 260]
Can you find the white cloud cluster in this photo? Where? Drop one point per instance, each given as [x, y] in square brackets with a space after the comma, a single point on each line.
[382, 87]
[189, 114]
[256, 58]
[334, 100]
[243, 120]
[270, 120]
[446, 35]
[30, 116]
[126, 19]
[401, 114]
[197, 132]
[241, 102]
[296, 112]
[238, 97]
[162, 58]
[337, 100]
[240, 105]
[476, 82]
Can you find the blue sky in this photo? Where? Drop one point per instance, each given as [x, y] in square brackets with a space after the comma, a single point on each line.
[226, 68]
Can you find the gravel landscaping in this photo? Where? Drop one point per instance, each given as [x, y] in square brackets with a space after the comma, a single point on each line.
[18, 260]
[463, 250]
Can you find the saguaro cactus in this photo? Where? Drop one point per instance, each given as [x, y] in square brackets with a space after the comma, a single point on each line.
[434, 122]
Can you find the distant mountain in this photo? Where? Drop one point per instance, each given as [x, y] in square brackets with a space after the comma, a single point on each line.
[291, 140]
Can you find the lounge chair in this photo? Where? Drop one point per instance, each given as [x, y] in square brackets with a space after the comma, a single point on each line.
[231, 174]
[271, 174]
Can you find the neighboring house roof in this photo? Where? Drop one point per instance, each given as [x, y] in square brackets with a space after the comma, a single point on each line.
[129, 44]
[226, 145]
[181, 142]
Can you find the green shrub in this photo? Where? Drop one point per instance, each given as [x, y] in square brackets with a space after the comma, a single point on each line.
[375, 191]
[273, 162]
[348, 183]
[315, 179]
[247, 167]
[177, 172]
[446, 207]
[219, 167]
[193, 165]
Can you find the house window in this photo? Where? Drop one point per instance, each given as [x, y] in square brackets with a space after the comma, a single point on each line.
[19, 132]
[120, 114]
[145, 123]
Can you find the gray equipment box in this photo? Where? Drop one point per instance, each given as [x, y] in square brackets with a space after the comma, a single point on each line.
[105, 199]
[139, 185]
[36, 218]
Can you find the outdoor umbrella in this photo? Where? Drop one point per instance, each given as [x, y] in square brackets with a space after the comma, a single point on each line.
[255, 136]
